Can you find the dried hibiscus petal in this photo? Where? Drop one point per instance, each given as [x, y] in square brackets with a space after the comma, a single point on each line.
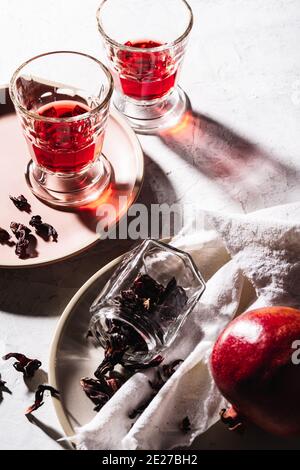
[20, 231]
[163, 374]
[22, 234]
[232, 419]
[25, 365]
[39, 397]
[185, 425]
[46, 231]
[158, 383]
[147, 288]
[4, 236]
[21, 248]
[172, 284]
[143, 366]
[130, 302]
[21, 203]
[96, 392]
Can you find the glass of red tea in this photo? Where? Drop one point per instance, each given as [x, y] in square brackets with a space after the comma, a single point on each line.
[62, 100]
[145, 43]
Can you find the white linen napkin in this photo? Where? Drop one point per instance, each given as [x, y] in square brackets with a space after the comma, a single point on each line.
[265, 248]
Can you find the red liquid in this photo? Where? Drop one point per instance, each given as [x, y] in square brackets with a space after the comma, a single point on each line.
[64, 147]
[146, 75]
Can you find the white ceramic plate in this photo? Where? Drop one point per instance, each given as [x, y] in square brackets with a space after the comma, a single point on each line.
[76, 229]
[73, 357]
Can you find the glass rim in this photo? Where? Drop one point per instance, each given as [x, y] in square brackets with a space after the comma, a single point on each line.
[146, 49]
[80, 117]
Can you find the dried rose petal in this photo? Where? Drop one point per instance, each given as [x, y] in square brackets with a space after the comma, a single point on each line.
[25, 365]
[21, 203]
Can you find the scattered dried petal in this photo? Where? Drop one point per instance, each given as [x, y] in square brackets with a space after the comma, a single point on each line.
[98, 391]
[21, 203]
[39, 397]
[143, 297]
[185, 425]
[163, 374]
[21, 249]
[25, 365]
[46, 231]
[158, 383]
[20, 231]
[22, 234]
[4, 237]
[135, 367]
[232, 419]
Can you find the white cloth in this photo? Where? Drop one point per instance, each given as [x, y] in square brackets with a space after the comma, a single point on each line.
[265, 248]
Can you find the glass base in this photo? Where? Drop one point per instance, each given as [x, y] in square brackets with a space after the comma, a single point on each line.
[69, 190]
[152, 116]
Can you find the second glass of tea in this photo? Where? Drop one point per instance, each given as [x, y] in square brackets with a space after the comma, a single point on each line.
[62, 99]
[145, 43]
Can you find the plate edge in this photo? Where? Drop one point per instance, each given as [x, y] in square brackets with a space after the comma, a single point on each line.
[137, 189]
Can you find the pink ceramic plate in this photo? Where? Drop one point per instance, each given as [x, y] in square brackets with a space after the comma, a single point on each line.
[76, 229]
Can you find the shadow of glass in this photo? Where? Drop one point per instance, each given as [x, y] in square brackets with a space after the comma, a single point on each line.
[245, 172]
[46, 290]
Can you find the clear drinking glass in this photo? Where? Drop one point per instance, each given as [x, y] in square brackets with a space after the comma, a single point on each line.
[149, 296]
[145, 43]
[62, 100]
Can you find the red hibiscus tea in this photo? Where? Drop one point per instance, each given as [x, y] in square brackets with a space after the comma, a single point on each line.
[66, 146]
[146, 75]
[62, 100]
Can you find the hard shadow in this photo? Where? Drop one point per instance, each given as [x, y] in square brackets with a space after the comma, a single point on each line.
[40, 377]
[248, 174]
[218, 437]
[46, 290]
[50, 432]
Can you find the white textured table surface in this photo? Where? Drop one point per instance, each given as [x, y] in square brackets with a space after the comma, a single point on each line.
[239, 152]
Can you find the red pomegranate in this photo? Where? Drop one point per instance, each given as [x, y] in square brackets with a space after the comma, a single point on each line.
[253, 367]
